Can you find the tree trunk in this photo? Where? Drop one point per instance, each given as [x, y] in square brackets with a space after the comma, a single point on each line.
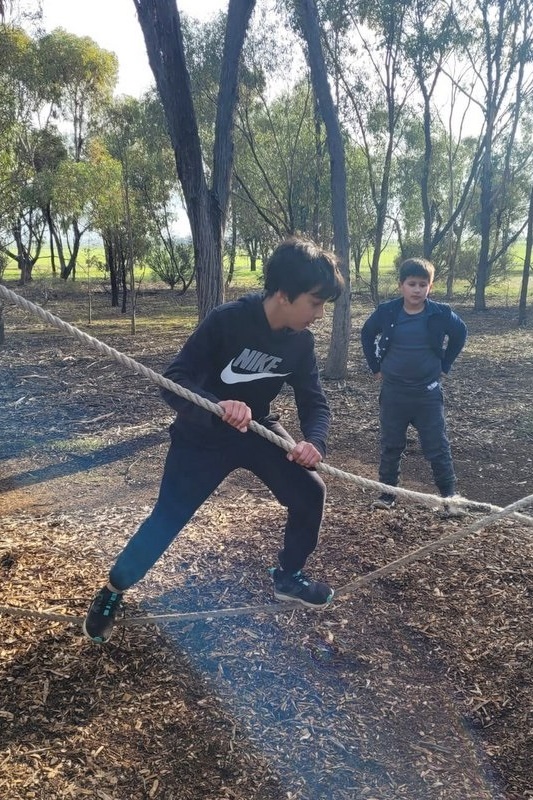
[111, 260]
[315, 223]
[206, 208]
[426, 167]
[522, 305]
[233, 246]
[48, 214]
[381, 211]
[69, 268]
[252, 246]
[24, 261]
[337, 358]
[123, 259]
[482, 275]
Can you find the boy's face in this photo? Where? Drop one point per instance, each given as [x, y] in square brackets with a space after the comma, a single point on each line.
[304, 310]
[414, 291]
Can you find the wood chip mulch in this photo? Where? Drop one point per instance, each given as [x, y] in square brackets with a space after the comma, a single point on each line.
[416, 687]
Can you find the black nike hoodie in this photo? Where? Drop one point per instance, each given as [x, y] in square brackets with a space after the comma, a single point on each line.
[235, 355]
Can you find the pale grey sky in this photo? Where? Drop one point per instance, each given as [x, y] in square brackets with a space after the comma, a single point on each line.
[114, 26]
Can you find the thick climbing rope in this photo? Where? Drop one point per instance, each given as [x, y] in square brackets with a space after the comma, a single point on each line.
[422, 498]
[496, 512]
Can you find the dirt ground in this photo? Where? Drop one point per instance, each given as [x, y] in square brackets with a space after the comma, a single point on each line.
[417, 686]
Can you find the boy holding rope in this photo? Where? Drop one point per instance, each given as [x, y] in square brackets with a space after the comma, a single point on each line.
[239, 357]
[403, 342]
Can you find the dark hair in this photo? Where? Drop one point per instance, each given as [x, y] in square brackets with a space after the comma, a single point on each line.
[299, 265]
[417, 268]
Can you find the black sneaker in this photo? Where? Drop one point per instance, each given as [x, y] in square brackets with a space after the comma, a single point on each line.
[385, 501]
[100, 619]
[298, 588]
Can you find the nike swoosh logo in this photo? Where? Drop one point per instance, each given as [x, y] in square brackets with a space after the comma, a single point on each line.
[229, 376]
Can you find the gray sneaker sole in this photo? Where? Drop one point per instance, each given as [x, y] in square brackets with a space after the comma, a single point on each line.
[95, 639]
[379, 505]
[289, 598]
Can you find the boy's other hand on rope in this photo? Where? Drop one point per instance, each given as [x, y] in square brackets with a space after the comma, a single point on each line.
[236, 413]
[305, 454]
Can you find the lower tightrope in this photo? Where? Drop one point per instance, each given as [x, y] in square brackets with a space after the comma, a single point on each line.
[277, 608]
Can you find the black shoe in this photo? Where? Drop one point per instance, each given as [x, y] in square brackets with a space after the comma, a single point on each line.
[298, 588]
[100, 619]
[384, 501]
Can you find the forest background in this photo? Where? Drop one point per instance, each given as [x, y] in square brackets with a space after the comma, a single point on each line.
[433, 103]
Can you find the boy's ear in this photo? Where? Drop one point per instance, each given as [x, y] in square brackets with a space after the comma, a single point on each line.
[282, 297]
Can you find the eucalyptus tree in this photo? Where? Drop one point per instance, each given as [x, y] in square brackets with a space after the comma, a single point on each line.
[22, 149]
[452, 165]
[154, 183]
[107, 215]
[280, 139]
[526, 270]
[135, 142]
[80, 77]
[499, 51]
[49, 158]
[140, 140]
[431, 40]
[26, 221]
[366, 46]
[337, 357]
[429, 32]
[204, 49]
[203, 42]
[172, 262]
[206, 198]
[22, 13]
[275, 168]
[47, 82]
[462, 169]
[361, 216]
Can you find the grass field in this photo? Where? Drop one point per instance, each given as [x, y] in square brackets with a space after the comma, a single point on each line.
[504, 291]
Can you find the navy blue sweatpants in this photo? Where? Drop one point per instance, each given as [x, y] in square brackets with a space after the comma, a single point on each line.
[400, 407]
[194, 470]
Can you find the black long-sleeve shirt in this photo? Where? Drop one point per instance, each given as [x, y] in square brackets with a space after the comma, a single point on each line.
[235, 355]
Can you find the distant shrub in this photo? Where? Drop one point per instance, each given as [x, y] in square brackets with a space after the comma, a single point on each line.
[173, 264]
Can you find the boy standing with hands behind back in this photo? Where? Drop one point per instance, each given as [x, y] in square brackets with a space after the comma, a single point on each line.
[404, 344]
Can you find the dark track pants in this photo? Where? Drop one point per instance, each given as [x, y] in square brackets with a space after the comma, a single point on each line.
[424, 410]
[193, 471]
